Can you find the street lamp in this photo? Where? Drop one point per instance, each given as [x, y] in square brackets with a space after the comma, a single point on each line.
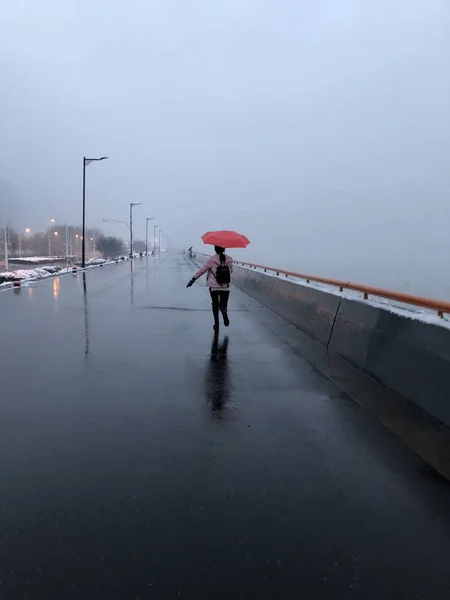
[67, 243]
[115, 221]
[27, 230]
[155, 227]
[52, 222]
[86, 162]
[160, 232]
[146, 232]
[132, 205]
[5, 241]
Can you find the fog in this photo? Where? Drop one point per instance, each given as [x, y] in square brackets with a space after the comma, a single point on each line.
[320, 129]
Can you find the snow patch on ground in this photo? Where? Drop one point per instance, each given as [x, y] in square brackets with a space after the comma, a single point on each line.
[7, 277]
[39, 273]
[37, 259]
[96, 261]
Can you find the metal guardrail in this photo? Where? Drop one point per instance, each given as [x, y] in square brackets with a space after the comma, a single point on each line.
[439, 306]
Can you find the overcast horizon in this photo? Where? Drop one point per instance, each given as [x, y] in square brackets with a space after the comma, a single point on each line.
[318, 129]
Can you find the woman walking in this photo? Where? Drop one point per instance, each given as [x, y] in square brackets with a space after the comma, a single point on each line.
[219, 268]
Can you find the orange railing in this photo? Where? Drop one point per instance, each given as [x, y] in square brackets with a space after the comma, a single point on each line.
[367, 290]
[439, 306]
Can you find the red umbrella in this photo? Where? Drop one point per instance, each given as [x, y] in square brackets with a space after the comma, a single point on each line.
[226, 239]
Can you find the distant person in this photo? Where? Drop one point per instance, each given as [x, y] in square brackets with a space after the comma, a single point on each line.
[190, 252]
[219, 268]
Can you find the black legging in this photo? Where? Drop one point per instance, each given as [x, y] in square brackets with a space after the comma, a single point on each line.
[219, 298]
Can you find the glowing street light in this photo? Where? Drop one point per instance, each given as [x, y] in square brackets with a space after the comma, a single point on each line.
[52, 222]
[27, 230]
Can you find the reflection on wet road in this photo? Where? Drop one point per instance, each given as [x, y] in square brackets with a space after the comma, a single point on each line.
[86, 314]
[144, 456]
[217, 376]
[55, 287]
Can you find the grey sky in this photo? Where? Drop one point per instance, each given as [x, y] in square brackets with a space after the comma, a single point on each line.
[324, 123]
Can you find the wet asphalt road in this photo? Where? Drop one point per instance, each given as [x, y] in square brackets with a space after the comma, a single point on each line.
[143, 458]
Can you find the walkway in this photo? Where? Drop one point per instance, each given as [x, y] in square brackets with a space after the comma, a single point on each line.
[143, 458]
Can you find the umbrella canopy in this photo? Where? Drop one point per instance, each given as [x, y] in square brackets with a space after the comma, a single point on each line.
[226, 239]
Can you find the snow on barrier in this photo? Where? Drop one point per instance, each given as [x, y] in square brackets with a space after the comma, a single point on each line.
[407, 351]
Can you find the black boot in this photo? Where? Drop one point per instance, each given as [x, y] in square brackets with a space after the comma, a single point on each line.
[226, 320]
[215, 310]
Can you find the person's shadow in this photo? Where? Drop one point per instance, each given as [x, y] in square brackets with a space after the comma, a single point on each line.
[217, 377]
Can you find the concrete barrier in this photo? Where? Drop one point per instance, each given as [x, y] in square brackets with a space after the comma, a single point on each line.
[309, 309]
[407, 355]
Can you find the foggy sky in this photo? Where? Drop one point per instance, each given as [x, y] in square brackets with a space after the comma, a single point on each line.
[320, 129]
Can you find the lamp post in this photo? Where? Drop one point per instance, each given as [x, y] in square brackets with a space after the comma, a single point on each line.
[27, 232]
[115, 221]
[160, 232]
[67, 242]
[155, 227]
[146, 232]
[5, 240]
[86, 162]
[52, 222]
[132, 205]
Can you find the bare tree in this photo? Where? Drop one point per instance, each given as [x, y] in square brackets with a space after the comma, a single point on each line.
[110, 246]
[138, 246]
[13, 241]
